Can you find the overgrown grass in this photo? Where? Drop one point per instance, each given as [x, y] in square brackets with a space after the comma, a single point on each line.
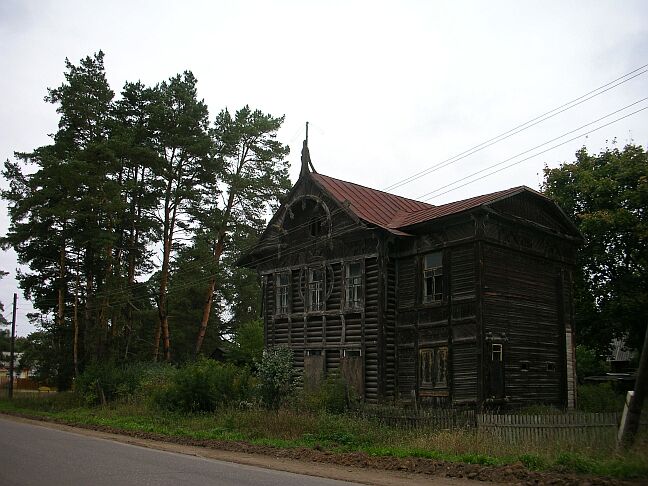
[340, 433]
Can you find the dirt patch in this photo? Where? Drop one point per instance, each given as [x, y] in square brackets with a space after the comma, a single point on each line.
[360, 467]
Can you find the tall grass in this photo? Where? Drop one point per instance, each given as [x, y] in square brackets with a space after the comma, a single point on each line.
[288, 427]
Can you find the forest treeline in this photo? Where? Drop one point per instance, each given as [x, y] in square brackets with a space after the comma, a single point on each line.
[129, 222]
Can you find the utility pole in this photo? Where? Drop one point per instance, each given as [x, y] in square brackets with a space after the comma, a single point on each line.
[12, 348]
[630, 425]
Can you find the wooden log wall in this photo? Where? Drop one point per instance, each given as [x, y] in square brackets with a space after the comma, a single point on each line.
[332, 329]
[521, 305]
[451, 322]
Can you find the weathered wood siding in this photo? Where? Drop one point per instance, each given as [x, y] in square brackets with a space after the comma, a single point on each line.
[463, 352]
[521, 305]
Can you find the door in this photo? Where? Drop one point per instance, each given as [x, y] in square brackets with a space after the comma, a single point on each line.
[313, 369]
[352, 371]
[496, 371]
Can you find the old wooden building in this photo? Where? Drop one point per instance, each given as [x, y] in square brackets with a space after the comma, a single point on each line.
[467, 303]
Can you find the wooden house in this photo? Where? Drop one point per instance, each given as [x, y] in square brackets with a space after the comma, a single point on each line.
[467, 303]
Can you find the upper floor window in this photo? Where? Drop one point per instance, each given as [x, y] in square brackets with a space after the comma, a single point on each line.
[353, 285]
[283, 293]
[433, 277]
[316, 289]
[316, 225]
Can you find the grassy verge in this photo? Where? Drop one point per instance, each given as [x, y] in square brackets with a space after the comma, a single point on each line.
[341, 433]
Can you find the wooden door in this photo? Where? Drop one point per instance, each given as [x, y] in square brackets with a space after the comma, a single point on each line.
[313, 370]
[352, 371]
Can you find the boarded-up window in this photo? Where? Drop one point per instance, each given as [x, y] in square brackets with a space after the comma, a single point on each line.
[433, 277]
[315, 289]
[433, 367]
[282, 293]
[353, 285]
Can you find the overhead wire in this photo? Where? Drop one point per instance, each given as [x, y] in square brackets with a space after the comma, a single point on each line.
[522, 160]
[524, 126]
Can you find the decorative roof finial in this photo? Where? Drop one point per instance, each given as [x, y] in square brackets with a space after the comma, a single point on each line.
[305, 158]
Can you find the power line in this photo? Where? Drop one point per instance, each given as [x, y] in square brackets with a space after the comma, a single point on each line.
[422, 197]
[525, 159]
[524, 126]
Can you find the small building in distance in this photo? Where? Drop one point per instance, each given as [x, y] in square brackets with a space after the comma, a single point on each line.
[463, 304]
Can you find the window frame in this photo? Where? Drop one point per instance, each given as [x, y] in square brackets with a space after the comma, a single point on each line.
[280, 310]
[436, 274]
[321, 289]
[357, 287]
[437, 355]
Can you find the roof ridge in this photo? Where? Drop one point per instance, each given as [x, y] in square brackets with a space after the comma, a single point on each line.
[391, 194]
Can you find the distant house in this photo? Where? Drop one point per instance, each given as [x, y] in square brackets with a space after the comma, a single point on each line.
[19, 372]
[467, 303]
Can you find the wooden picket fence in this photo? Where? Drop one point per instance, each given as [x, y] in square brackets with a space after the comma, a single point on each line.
[440, 419]
[568, 427]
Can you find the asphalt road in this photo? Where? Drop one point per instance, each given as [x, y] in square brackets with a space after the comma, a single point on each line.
[33, 455]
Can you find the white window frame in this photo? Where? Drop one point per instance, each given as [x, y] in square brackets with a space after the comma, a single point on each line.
[353, 286]
[432, 275]
[282, 293]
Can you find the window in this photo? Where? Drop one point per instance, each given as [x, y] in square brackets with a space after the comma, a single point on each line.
[313, 352]
[433, 277]
[433, 367]
[316, 225]
[524, 366]
[353, 285]
[316, 289]
[496, 352]
[283, 293]
[351, 353]
[551, 366]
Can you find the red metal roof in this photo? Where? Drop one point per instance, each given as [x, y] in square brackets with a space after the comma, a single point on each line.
[392, 212]
[456, 207]
[374, 206]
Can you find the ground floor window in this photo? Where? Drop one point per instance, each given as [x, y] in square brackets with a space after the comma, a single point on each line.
[433, 366]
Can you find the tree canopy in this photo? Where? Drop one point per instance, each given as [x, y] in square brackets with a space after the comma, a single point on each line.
[606, 195]
[130, 220]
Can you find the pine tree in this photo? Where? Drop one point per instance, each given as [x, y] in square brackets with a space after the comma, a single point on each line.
[254, 173]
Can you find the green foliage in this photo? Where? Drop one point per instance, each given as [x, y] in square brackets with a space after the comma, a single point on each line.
[599, 398]
[277, 376]
[606, 196]
[131, 382]
[332, 396]
[248, 343]
[204, 386]
[125, 176]
[588, 363]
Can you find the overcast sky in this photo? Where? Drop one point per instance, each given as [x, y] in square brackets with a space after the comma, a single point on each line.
[390, 88]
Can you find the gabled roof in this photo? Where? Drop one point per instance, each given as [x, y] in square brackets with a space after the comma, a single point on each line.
[455, 207]
[371, 205]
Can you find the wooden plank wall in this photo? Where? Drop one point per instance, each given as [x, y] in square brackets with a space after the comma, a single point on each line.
[521, 302]
[332, 329]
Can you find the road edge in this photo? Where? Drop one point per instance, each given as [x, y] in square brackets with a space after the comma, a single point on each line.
[308, 468]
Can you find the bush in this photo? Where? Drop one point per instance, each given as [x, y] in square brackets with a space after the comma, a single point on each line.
[277, 376]
[332, 395]
[104, 382]
[248, 343]
[204, 386]
[599, 398]
[588, 363]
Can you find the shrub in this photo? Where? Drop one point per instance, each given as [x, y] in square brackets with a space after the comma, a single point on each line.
[588, 363]
[599, 398]
[204, 386]
[104, 382]
[332, 395]
[248, 343]
[277, 376]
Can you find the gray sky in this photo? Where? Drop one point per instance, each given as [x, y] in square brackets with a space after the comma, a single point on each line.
[390, 88]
